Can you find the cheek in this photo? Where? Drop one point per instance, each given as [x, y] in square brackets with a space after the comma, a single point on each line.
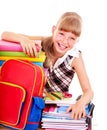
[55, 38]
[71, 44]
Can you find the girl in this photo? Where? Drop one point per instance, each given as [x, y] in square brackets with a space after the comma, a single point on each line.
[63, 59]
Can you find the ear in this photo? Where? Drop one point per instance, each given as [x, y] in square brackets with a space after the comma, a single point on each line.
[53, 29]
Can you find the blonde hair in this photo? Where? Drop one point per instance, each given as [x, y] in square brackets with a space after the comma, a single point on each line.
[70, 22]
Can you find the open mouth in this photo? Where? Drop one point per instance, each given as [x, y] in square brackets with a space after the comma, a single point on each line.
[62, 46]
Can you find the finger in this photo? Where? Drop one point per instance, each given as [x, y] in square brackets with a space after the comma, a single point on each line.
[23, 48]
[32, 51]
[35, 50]
[69, 109]
[80, 115]
[75, 116]
[84, 114]
[27, 50]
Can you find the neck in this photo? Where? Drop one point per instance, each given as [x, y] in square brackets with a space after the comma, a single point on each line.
[54, 60]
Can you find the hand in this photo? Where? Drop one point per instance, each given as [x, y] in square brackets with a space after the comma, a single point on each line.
[31, 47]
[78, 110]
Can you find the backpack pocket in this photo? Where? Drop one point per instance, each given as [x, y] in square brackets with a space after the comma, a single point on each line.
[12, 97]
[35, 114]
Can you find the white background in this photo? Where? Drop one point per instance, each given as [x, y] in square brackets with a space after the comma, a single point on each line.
[36, 17]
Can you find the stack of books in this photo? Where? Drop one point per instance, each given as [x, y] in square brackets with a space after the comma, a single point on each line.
[54, 115]
[12, 50]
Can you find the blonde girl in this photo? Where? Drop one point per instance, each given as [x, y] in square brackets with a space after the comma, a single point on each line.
[63, 59]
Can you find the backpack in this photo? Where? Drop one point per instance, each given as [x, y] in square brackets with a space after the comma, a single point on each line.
[21, 94]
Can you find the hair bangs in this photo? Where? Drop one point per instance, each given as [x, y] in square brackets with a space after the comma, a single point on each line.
[70, 25]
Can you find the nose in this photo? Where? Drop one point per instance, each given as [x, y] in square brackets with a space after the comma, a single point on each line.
[65, 40]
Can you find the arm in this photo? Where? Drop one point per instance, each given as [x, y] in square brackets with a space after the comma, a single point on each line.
[28, 43]
[78, 109]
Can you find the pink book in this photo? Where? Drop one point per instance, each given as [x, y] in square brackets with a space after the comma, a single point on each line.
[12, 46]
[54, 129]
[52, 108]
[9, 46]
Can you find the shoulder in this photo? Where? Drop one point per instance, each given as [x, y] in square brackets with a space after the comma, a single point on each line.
[78, 62]
[75, 52]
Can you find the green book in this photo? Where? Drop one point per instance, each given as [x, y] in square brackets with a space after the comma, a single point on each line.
[13, 53]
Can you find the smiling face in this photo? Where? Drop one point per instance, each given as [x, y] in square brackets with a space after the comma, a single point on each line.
[63, 41]
[66, 33]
